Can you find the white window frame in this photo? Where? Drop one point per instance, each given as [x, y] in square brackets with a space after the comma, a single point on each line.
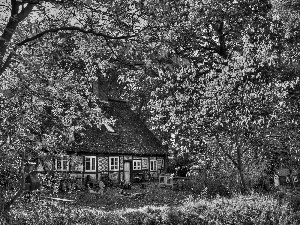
[62, 159]
[153, 163]
[90, 159]
[137, 164]
[114, 163]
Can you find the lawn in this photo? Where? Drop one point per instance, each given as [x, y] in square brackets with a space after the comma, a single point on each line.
[114, 199]
[154, 205]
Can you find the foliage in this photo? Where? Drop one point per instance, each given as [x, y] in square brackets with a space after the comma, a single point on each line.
[222, 89]
[48, 62]
[179, 165]
[215, 79]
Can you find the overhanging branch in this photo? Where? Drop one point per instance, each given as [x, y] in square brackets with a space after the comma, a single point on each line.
[6, 63]
[25, 12]
[74, 28]
[10, 29]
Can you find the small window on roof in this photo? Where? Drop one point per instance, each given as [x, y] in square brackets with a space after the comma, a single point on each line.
[109, 128]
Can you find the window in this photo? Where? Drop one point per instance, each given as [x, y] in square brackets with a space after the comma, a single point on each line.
[62, 163]
[137, 164]
[145, 164]
[114, 163]
[109, 128]
[153, 165]
[160, 163]
[90, 163]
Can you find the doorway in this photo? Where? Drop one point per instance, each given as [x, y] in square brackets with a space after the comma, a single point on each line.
[127, 172]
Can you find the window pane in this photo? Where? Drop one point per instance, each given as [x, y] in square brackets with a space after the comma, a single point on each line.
[88, 166]
[153, 165]
[87, 163]
[58, 164]
[93, 164]
[65, 165]
[136, 164]
[112, 161]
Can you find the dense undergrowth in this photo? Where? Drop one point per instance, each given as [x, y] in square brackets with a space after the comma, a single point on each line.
[251, 209]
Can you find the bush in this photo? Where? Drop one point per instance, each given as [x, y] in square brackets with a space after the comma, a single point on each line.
[294, 201]
[209, 188]
[292, 198]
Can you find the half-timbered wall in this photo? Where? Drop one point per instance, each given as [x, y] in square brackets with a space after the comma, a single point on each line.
[106, 167]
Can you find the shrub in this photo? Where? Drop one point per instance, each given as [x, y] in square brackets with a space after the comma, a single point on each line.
[209, 188]
[294, 201]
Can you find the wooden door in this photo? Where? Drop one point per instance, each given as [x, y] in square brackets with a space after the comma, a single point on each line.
[127, 171]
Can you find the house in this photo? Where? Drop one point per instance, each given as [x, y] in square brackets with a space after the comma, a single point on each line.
[122, 151]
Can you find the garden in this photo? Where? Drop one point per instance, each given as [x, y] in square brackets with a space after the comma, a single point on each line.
[215, 83]
[150, 203]
[154, 206]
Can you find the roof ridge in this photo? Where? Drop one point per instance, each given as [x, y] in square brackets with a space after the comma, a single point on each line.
[117, 100]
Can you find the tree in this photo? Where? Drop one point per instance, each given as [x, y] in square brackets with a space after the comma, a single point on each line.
[220, 75]
[47, 107]
[46, 86]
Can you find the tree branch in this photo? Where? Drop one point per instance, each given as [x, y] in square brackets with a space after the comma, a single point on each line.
[25, 12]
[224, 151]
[238, 151]
[10, 29]
[13, 22]
[6, 63]
[74, 28]
[123, 61]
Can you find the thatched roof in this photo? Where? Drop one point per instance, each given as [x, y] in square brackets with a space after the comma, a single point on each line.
[131, 135]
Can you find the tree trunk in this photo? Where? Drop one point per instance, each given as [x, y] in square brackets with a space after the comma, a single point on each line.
[4, 211]
[5, 205]
[237, 162]
[240, 167]
[244, 188]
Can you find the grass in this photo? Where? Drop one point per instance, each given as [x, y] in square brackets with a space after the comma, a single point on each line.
[152, 195]
[114, 200]
[155, 206]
